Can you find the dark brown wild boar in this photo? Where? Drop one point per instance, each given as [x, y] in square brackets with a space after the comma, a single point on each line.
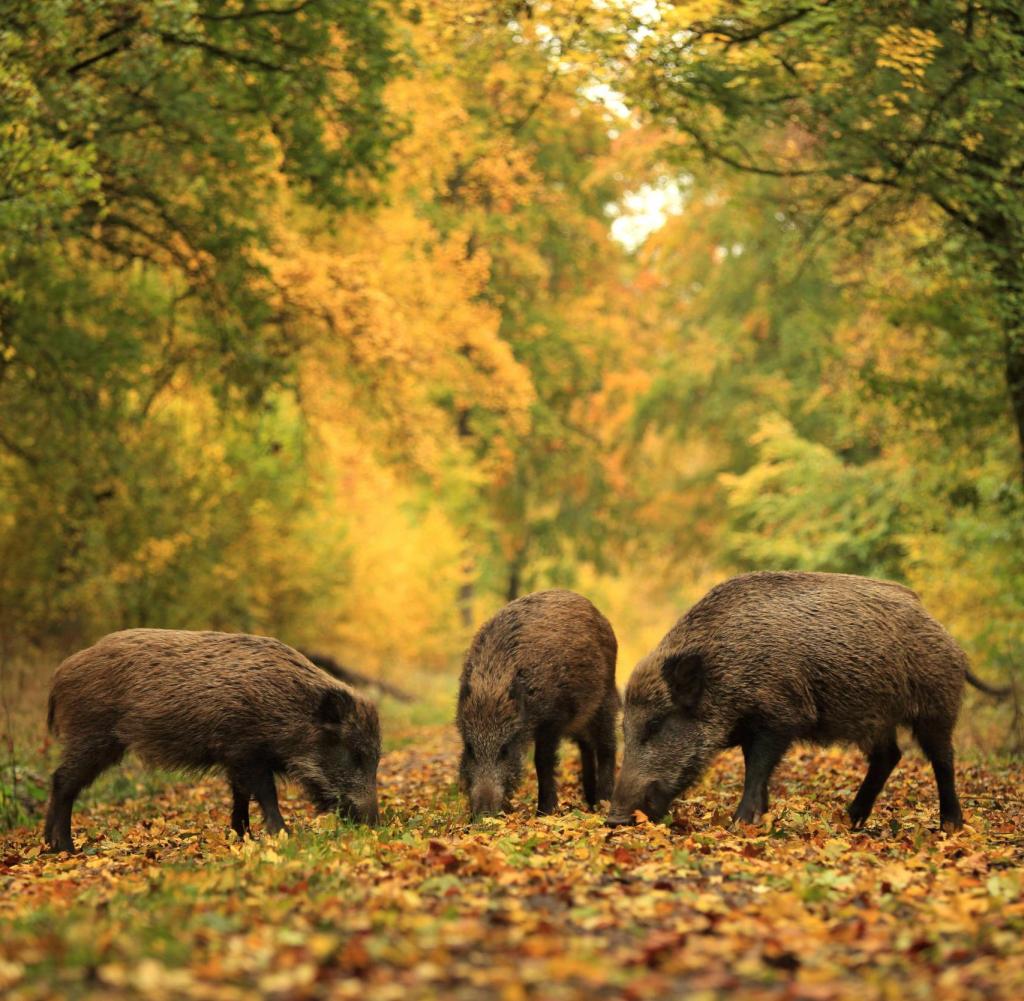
[248, 705]
[541, 669]
[766, 659]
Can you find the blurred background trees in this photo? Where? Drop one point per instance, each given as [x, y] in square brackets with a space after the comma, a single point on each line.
[339, 320]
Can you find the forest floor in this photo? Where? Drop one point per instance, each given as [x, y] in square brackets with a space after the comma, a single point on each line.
[163, 902]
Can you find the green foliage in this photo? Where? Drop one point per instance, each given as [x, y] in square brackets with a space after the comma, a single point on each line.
[867, 114]
[919, 100]
[534, 197]
[23, 793]
[800, 507]
[143, 146]
[856, 427]
[149, 134]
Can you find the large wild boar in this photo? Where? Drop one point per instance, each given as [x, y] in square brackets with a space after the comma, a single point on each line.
[248, 705]
[766, 659]
[541, 669]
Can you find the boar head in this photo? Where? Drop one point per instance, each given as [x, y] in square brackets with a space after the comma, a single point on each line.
[494, 735]
[339, 771]
[667, 743]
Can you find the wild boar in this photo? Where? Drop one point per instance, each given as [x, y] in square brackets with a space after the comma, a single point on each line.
[248, 705]
[542, 668]
[766, 659]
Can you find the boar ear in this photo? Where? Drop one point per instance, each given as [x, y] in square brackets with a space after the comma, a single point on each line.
[684, 675]
[335, 705]
[517, 693]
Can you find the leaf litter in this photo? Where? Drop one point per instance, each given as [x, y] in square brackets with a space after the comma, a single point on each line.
[163, 901]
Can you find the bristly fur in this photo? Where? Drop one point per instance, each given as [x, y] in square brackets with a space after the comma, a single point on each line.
[248, 705]
[774, 657]
[542, 668]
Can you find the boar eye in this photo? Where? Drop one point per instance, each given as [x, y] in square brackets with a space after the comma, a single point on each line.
[469, 752]
[650, 731]
[505, 750]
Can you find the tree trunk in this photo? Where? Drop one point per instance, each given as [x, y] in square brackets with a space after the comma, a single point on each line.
[1005, 249]
[465, 600]
[514, 582]
[1015, 382]
[514, 586]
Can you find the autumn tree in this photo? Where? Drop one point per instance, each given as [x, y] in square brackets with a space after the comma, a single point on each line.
[864, 113]
[140, 148]
[529, 181]
[840, 412]
[146, 133]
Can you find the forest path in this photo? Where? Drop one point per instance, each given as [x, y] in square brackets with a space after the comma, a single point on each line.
[164, 903]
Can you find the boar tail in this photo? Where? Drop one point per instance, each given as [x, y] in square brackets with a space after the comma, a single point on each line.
[51, 712]
[999, 692]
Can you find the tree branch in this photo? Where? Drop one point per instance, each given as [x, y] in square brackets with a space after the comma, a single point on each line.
[714, 153]
[24, 454]
[259, 12]
[194, 42]
[740, 37]
[99, 57]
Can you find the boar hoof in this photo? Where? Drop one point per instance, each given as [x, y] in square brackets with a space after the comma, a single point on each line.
[546, 809]
[60, 846]
[950, 825]
[746, 815]
[858, 818]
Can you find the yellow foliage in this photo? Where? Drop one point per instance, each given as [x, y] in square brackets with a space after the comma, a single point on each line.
[907, 50]
[397, 307]
[398, 606]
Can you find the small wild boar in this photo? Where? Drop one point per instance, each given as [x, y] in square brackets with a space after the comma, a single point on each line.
[200, 700]
[541, 669]
[766, 659]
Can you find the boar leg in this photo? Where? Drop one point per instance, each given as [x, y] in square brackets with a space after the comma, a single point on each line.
[602, 738]
[75, 772]
[240, 808]
[545, 756]
[936, 740]
[266, 795]
[588, 761]
[761, 753]
[882, 759]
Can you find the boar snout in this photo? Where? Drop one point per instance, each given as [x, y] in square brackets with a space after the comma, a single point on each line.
[613, 821]
[362, 809]
[366, 812]
[651, 798]
[486, 798]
